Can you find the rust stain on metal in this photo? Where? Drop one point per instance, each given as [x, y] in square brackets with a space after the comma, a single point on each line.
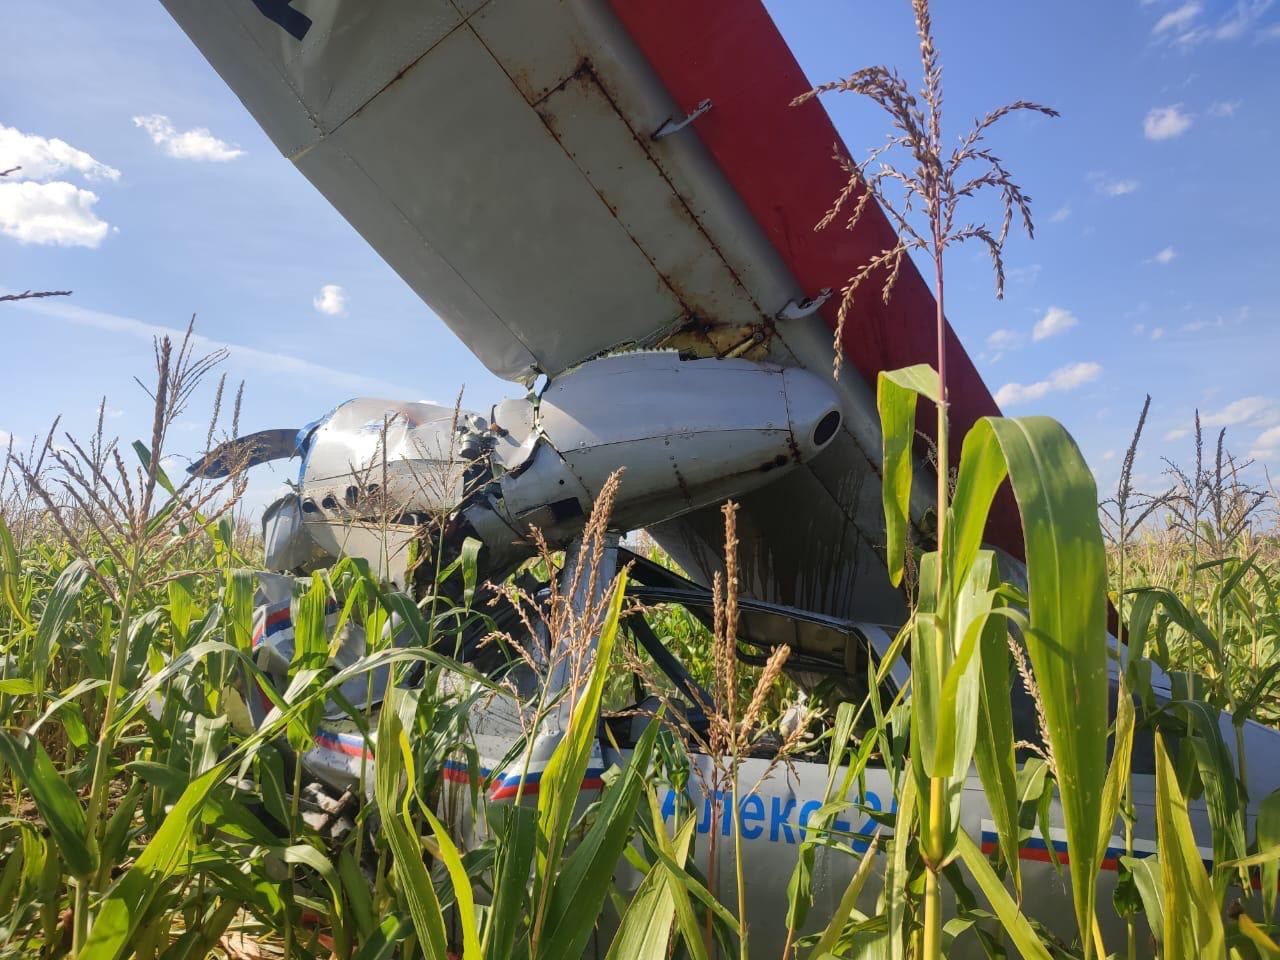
[680, 207]
[793, 446]
[680, 481]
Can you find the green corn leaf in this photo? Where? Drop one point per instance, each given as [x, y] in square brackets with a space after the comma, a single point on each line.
[958, 703]
[10, 575]
[11, 876]
[1146, 877]
[1217, 772]
[58, 805]
[1066, 576]
[356, 888]
[515, 860]
[414, 880]
[1267, 829]
[470, 569]
[385, 941]
[896, 393]
[1192, 923]
[646, 924]
[800, 885]
[1011, 916]
[673, 856]
[1118, 774]
[993, 750]
[896, 873]
[57, 611]
[562, 779]
[181, 604]
[1266, 947]
[115, 838]
[581, 883]
[463, 899]
[128, 901]
[849, 899]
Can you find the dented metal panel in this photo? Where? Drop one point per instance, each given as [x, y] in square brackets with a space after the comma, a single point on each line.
[507, 171]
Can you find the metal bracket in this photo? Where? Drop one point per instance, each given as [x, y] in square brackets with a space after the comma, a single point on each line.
[799, 309]
[676, 124]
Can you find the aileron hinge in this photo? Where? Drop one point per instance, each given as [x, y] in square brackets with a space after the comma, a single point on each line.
[799, 309]
[676, 124]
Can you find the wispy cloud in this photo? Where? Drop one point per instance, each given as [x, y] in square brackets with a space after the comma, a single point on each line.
[1029, 273]
[1056, 320]
[1060, 214]
[194, 144]
[1110, 186]
[276, 364]
[1164, 123]
[1000, 342]
[1165, 256]
[1184, 30]
[1003, 339]
[331, 300]
[1225, 108]
[1251, 411]
[1065, 378]
[1177, 433]
[1176, 20]
[1242, 19]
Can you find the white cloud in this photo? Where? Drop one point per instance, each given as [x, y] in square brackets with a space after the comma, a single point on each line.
[1110, 186]
[1157, 333]
[1267, 445]
[1165, 256]
[1060, 214]
[1065, 378]
[1177, 19]
[39, 158]
[1239, 23]
[57, 213]
[1003, 339]
[331, 300]
[1177, 433]
[277, 364]
[195, 144]
[1225, 108]
[1164, 123]
[34, 209]
[1109, 455]
[1254, 411]
[1055, 321]
[999, 342]
[1242, 19]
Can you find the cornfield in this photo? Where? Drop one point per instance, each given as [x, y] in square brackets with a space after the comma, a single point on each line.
[158, 801]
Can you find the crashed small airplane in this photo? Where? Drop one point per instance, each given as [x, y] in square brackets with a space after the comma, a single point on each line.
[612, 203]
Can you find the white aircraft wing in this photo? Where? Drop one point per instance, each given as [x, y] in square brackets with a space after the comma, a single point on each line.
[559, 178]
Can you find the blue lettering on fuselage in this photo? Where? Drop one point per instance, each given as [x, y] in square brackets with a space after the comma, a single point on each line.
[784, 823]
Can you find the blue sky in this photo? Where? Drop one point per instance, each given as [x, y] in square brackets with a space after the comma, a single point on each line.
[1154, 268]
